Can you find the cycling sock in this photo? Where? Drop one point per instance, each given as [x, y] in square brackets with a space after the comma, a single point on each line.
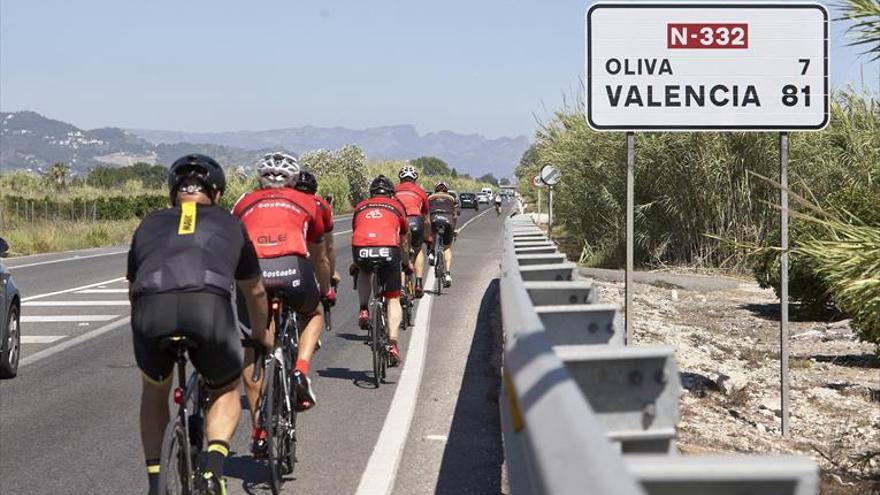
[215, 457]
[153, 475]
[302, 366]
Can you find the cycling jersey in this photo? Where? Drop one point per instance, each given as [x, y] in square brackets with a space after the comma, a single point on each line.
[280, 221]
[325, 212]
[443, 203]
[378, 221]
[413, 197]
[190, 248]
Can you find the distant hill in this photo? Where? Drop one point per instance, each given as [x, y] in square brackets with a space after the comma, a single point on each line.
[29, 140]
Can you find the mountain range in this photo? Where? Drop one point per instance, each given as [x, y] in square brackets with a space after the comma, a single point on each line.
[30, 140]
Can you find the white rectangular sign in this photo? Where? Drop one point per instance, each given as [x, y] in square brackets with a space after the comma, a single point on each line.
[707, 66]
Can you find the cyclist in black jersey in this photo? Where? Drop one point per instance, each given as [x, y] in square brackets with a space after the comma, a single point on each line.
[182, 265]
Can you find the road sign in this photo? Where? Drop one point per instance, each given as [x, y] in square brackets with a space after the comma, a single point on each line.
[550, 175]
[537, 182]
[707, 66]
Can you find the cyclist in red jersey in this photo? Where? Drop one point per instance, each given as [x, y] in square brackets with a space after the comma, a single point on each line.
[287, 233]
[380, 237]
[306, 182]
[415, 200]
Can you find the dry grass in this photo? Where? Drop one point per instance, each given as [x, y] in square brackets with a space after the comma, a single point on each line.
[45, 237]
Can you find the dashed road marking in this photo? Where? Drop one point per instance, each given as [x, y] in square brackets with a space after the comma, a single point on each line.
[101, 290]
[37, 356]
[76, 303]
[66, 318]
[40, 339]
[73, 289]
[62, 260]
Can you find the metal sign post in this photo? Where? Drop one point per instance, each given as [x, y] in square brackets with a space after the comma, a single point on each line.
[538, 183]
[629, 311]
[783, 293]
[550, 176]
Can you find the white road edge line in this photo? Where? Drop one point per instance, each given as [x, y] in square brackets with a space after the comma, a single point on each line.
[74, 289]
[340, 233]
[381, 470]
[72, 258]
[40, 339]
[39, 356]
[471, 220]
[66, 318]
[29, 304]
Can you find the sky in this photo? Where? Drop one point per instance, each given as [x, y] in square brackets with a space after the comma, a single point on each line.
[491, 67]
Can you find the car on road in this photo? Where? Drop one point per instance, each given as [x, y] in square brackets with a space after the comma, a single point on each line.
[482, 197]
[468, 200]
[10, 317]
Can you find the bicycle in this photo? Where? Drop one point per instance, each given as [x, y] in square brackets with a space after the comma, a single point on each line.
[278, 414]
[439, 259]
[408, 296]
[184, 437]
[377, 329]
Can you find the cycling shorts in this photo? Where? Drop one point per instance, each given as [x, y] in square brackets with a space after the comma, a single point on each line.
[443, 221]
[385, 262]
[291, 278]
[416, 230]
[204, 318]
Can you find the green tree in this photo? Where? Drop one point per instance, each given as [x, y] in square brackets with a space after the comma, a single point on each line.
[58, 174]
[488, 178]
[865, 15]
[504, 182]
[431, 165]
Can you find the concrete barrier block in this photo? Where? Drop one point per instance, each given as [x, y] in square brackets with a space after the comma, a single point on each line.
[535, 250]
[634, 390]
[725, 475]
[575, 324]
[555, 271]
[540, 259]
[561, 293]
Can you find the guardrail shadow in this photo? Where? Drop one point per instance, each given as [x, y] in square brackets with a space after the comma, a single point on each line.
[474, 454]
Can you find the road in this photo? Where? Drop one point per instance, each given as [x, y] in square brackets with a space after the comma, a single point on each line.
[68, 422]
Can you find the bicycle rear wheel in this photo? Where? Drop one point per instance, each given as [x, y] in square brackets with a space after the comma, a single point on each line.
[175, 471]
[378, 345]
[439, 268]
[271, 423]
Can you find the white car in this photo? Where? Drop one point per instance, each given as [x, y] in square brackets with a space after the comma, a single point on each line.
[482, 198]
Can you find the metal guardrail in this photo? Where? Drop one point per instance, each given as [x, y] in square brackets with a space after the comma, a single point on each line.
[582, 413]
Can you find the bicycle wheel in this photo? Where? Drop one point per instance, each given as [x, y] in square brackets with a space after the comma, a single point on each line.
[376, 344]
[270, 422]
[175, 471]
[439, 262]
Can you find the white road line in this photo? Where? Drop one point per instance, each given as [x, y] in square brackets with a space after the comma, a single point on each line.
[75, 303]
[340, 233]
[102, 291]
[73, 289]
[471, 220]
[66, 318]
[40, 339]
[381, 470]
[62, 260]
[38, 356]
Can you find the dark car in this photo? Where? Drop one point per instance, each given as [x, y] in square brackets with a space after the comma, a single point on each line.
[468, 200]
[10, 311]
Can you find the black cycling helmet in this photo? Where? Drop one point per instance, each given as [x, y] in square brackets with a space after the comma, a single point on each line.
[441, 187]
[202, 168]
[306, 182]
[381, 185]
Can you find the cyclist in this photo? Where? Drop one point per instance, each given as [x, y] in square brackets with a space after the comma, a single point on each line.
[444, 211]
[182, 265]
[287, 230]
[498, 203]
[415, 201]
[306, 182]
[379, 227]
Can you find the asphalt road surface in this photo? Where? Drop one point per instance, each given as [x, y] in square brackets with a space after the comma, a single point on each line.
[69, 421]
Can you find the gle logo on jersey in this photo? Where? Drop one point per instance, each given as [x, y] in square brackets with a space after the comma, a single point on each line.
[372, 253]
[374, 214]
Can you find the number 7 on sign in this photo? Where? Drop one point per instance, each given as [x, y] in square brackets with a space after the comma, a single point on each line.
[806, 63]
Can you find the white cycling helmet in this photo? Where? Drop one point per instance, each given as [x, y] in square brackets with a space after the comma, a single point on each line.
[408, 172]
[277, 170]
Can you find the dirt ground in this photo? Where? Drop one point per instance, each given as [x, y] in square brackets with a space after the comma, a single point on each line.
[728, 348]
